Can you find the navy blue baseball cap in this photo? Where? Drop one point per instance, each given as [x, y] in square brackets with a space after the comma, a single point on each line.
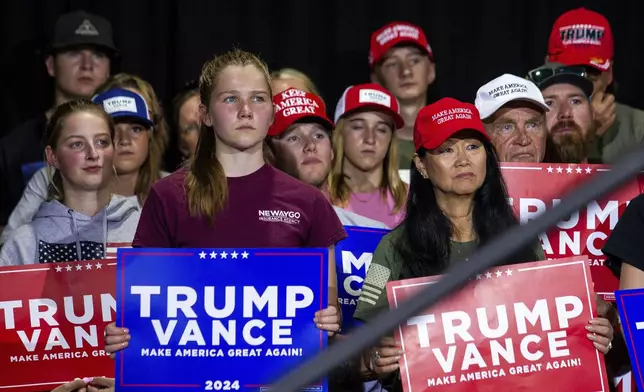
[125, 104]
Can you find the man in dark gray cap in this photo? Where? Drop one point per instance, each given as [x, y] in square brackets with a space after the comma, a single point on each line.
[79, 55]
[79, 59]
[566, 91]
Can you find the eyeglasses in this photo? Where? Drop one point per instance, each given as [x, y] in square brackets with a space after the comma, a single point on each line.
[540, 75]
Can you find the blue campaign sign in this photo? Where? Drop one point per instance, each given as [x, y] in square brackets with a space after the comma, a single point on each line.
[218, 319]
[352, 258]
[630, 304]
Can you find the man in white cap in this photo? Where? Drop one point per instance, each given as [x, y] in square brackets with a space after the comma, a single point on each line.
[514, 113]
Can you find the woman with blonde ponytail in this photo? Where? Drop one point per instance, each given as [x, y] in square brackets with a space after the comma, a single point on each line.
[228, 195]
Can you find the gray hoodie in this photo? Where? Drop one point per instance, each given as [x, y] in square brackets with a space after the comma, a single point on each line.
[58, 233]
[34, 195]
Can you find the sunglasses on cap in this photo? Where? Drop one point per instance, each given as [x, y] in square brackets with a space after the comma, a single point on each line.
[540, 75]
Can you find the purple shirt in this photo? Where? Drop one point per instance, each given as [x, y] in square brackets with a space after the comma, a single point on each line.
[266, 209]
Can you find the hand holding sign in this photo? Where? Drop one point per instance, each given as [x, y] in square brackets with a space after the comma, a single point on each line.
[601, 334]
[116, 339]
[385, 357]
[328, 320]
[88, 384]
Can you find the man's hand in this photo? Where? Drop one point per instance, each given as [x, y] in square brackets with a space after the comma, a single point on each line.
[603, 106]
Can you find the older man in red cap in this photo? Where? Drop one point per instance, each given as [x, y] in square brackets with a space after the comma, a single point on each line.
[584, 38]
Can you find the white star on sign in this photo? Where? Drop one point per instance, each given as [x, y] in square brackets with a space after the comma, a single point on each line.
[639, 325]
[508, 272]
[478, 276]
[224, 255]
[59, 268]
[79, 267]
[244, 255]
[499, 274]
[488, 275]
[234, 254]
[88, 267]
[588, 170]
[559, 170]
[569, 170]
[550, 169]
[99, 265]
[213, 255]
[202, 255]
[579, 170]
[68, 268]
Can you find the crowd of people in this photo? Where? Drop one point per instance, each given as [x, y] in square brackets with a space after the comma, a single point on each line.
[257, 140]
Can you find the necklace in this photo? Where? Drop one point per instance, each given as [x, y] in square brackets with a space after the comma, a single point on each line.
[456, 245]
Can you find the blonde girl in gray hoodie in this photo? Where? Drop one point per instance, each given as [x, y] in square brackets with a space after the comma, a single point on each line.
[81, 216]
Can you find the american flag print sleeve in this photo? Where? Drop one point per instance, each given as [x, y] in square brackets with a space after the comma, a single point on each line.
[384, 268]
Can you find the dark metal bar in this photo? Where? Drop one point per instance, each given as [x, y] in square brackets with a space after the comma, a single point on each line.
[489, 255]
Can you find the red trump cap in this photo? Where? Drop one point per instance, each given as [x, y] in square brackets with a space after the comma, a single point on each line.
[581, 37]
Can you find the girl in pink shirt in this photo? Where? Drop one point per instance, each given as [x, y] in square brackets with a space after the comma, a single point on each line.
[365, 178]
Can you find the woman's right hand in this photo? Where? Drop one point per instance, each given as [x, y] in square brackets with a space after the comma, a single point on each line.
[116, 339]
[384, 358]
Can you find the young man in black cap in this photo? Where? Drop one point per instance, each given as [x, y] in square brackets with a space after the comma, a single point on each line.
[79, 60]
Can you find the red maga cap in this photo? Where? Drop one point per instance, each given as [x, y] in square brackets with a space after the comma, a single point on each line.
[437, 122]
[393, 34]
[293, 105]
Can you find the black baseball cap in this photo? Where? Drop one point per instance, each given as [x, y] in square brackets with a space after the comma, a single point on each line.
[80, 28]
[556, 73]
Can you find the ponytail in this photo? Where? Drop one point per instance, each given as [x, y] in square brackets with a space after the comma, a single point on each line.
[206, 181]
